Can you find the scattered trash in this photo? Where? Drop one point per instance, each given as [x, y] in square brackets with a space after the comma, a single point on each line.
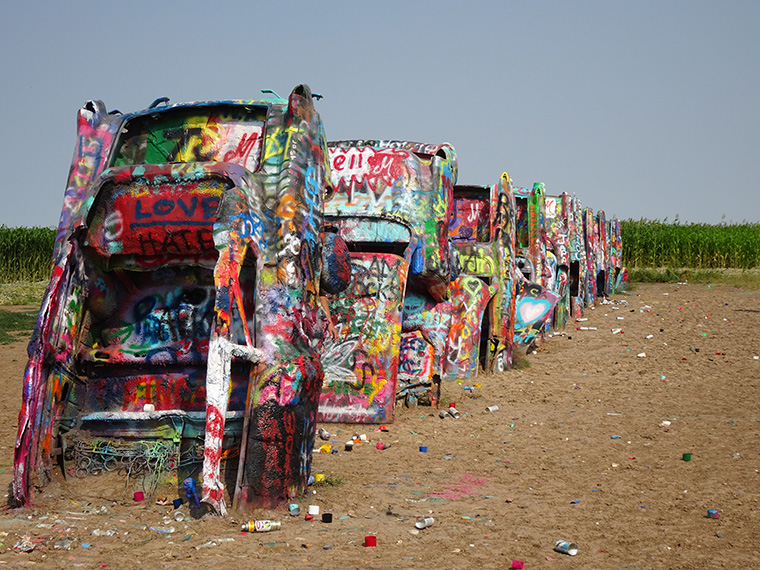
[443, 414]
[63, 543]
[664, 423]
[617, 331]
[167, 530]
[24, 545]
[177, 503]
[110, 532]
[324, 434]
[327, 517]
[424, 522]
[138, 497]
[686, 457]
[566, 547]
[642, 354]
[263, 526]
[381, 446]
[713, 514]
[313, 510]
[213, 542]
[492, 409]
[423, 448]
[294, 510]
[453, 411]
[575, 502]
[517, 565]
[370, 540]
[615, 437]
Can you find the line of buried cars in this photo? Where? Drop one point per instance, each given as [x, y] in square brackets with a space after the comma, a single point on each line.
[197, 248]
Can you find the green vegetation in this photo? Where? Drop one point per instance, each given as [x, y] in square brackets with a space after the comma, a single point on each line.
[22, 293]
[331, 480]
[16, 322]
[660, 252]
[656, 244]
[25, 254]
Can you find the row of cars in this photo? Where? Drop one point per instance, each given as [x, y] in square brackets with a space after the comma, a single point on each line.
[201, 250]
[447, 280]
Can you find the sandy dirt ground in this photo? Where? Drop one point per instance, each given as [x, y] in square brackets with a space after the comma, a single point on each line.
[587, 445]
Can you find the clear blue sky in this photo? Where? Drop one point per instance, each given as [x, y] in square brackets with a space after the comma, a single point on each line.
[642, 109]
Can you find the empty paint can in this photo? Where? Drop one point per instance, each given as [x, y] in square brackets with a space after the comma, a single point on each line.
[349, 445]
[313, 510]
[686, 456]
[713, 514]
[566, 547]
[294, 509]
[370, 541]
[324, 434]
[424, 522]
[326, 517]
[139, 496]
[517, 565]
[423, 448]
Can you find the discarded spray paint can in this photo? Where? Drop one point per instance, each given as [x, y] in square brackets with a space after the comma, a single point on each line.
[324, 434]
[443, 414]
[261, 526]
[424, 522]
[713, 514]
[566, 547]
[454, 412]
[492, 408]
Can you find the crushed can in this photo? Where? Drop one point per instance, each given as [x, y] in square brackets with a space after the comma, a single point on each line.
[566, 547]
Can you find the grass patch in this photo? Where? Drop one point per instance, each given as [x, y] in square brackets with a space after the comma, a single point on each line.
[520, 361]
[331, 480]
[742, 278]
[12, 323]
[22, 293]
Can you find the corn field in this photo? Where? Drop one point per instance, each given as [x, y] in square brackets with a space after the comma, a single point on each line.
[26, 254]
[651, 243]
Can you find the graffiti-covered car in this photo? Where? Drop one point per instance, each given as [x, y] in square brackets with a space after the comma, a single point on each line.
[390, 202]
[483, 232]
[557, 235]
[181, 325]
[535, 300]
